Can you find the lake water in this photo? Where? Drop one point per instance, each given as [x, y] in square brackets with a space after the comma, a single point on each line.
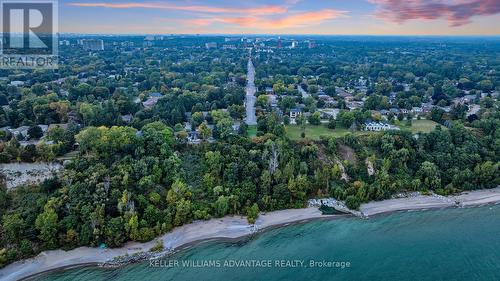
[449, 244]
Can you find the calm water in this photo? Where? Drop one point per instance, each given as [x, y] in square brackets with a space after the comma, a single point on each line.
[451, 244]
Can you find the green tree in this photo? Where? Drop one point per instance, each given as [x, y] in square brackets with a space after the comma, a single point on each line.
[13, 226]
[253, 213]
[429, 175]
[46, 223]
[315, 118]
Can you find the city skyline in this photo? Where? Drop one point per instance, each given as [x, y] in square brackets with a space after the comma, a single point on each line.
[358, 17]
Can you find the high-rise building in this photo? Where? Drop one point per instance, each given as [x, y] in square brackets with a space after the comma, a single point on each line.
[279, 43]
[93, 44]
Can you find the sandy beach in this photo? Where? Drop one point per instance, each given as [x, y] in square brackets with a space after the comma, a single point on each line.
[232, 228]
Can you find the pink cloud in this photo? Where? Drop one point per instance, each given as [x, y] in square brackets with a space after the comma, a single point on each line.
[262, 10]
[307, 18]
[260, 22]
[456, 12]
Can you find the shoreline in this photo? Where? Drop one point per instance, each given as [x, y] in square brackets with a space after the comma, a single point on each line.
[227, 229]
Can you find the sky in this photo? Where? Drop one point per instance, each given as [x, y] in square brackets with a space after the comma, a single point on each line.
[322, 17]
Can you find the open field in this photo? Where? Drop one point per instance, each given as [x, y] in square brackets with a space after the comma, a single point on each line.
[424, 126]
[252, 130]
[314, 132]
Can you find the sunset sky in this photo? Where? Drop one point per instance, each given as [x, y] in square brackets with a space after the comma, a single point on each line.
[377, 17]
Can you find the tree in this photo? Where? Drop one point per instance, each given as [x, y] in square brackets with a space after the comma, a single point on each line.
[13, 226]
[28, 153]
[332, 123]
[196, 119]
[182, 212]
[236, 111]
[262, 101]
[46, 223]
[429, 175]
[383, 87]
[221, 206]
[132, 227]
[3, 257]
[177, 192]
[346, 118]
[487, 174]
[205, 131]
[35, 132]
[304, 71]
[279, 88]
[287, 103]
[315, 118]
[485, 85]
[115, 232]
[352, 202]
[253, 213]
[330, 91]
[158, 138]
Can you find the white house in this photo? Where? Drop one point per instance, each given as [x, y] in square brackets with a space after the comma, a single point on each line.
[416, 110]
[294, 113]
[378, 126]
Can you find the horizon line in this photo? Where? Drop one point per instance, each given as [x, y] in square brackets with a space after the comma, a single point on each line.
[278, 34]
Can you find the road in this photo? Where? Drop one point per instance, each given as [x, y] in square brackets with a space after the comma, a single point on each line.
[303, 92]
[251, 118]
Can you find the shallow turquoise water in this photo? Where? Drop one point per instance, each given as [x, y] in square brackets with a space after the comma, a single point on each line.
[450, 244]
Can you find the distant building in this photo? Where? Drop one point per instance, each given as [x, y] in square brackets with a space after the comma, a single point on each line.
[193, 137]
[228, 46]
[312, 44]
[211, 45]
[280, 44]
[329, 113]
[152, 100]
[295, 112]
[127, 118]
[378, 126]
[416, 110]
[295, 44]
[17, 83]
[92, 44]
[273, 101]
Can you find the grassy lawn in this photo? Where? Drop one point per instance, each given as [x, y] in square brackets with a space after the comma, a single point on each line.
[314, 132]
[424, 126]
[252, 131]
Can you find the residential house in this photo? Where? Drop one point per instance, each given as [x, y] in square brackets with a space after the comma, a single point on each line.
[379, 126]
[17, 83]
[295, 112]
[127, 118]
[417, 110]
[152, 100]
[193, 137]
[23, 130]
[329, 113]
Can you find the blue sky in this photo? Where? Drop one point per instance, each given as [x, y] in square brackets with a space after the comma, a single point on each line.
[377, 17]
